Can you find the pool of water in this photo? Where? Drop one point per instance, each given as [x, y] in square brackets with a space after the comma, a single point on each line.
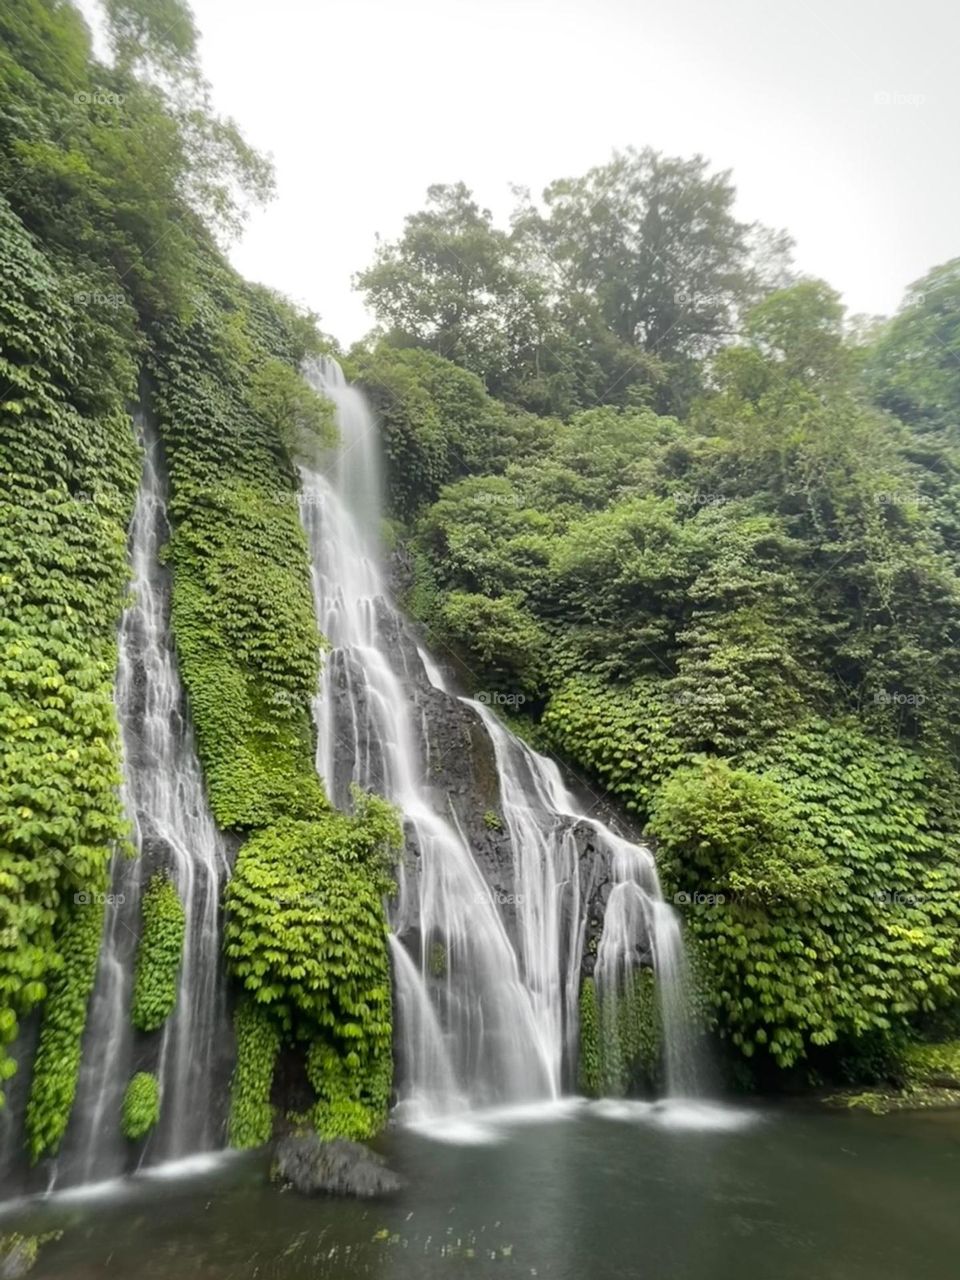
[577, 1191]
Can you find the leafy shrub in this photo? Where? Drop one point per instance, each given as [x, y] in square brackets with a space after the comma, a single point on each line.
[158, 955]
[141, 1106]
[625, 736]
[840, 909]
[306, 937]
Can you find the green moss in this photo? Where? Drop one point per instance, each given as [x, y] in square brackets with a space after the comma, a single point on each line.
[933, 1064]
[158, 955]
[589, 1064]
[141, 1106]
[19, 1253]
[638, 1034]
[885, 1102]
[437, 963]
[620, 1038]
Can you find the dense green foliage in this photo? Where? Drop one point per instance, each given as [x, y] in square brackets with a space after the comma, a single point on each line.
[56, 1066]
[258, 1043]
[119, 180]
[306, 936]
[158, 955]
[68, 479]
[105, 179]
[589, 1060]
[740, 620]
[604, 293]
[247, 640]
[141, 1106]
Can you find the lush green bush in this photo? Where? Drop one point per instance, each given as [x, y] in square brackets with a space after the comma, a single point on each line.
[158, 955]
[627, 737]
[437, 423]
[141, 1106]
[306, 937]
[820, 894]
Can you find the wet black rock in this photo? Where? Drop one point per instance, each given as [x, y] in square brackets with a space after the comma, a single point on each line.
[338, 1168]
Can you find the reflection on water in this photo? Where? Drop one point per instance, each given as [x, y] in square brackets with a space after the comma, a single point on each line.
[608, 1190]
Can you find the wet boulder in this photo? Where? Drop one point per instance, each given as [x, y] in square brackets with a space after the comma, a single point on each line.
[339, 1168]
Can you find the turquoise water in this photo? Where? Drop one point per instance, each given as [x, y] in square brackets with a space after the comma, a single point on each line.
[586, 1192]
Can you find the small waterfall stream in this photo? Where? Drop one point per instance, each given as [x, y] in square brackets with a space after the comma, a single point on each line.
[174, 834]
[486, 991]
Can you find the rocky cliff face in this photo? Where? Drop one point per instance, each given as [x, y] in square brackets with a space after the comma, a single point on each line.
[462, 767]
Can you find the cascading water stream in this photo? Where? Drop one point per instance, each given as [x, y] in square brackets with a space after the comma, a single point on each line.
[174, 834]
[487, 1001]
[638, 925]
[489, 1045]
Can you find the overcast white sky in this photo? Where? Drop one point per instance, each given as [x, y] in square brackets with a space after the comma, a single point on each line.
[839, 119]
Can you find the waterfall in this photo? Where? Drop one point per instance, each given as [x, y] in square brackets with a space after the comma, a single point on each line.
[486, 990]
[174, 834]
[639, 926]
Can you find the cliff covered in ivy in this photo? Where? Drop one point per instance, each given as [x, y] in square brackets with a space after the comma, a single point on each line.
[657, 494]
[118, 184]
